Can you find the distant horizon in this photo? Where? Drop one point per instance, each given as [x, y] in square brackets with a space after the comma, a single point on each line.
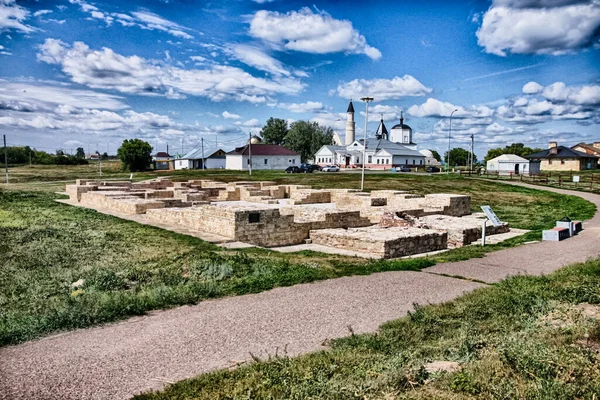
[93, 73]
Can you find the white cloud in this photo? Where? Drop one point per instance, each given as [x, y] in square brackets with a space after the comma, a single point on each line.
[105, 69]
[383, 89]
[552, 27]
[41, 12]
[257, 58]
[45, 96]
[310, 32]
[251, 123]
[532, 88]
[309, 106]
[12, 16]
[228, 115]
[435, 108]
[154, 21]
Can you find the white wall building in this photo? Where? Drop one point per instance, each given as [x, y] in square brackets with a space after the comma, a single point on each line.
[264, 156]
[507, 164]
[193, 160]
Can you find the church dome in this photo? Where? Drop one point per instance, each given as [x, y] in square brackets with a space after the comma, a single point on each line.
[401, 126]
[255, 139]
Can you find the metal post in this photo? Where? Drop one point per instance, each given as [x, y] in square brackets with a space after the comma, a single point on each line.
[472, 151]
[362, 180]
[250, 153]
[203, 160]
[483, 233]
[449, 134]
[5, 159]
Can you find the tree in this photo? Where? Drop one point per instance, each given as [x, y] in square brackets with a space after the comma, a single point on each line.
[459, 156]
[135, 154]
[80, 153]
[436, 155]
[306, 138]
[274, 131]
[104, 156]
[518, 149]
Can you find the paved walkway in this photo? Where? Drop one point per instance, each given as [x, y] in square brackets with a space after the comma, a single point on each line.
[118, 360]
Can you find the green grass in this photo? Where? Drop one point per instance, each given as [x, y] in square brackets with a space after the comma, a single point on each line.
[130, 268]
[521, 338]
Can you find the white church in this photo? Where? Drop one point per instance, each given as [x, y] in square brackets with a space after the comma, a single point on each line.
[386, 150]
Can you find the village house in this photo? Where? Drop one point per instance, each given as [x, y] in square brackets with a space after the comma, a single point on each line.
[561, 158]
[508, 164]
[385, 151]
[592, 148]
[263, 156]
[162, 161]
[194, 160]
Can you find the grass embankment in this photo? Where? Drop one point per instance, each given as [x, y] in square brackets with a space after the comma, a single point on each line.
[128, 268]
[522, 338]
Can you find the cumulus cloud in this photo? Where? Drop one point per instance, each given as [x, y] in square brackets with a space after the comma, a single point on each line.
[532, 88]
[310, 32]
[435, 108]
[309, 106]
[257, 58]
[105, 69]
[383, 89]
[12, 16]
[228, 115]
[539, 27]
[251, 123]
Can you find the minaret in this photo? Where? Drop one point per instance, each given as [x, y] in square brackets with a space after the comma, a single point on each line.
[350, 125]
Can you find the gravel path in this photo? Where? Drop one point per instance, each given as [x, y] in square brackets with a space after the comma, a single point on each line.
[118, 360]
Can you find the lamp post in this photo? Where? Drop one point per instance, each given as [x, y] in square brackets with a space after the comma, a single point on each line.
[449, 133]
[362, 181]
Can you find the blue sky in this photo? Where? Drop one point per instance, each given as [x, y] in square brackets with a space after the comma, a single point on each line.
[92, 73]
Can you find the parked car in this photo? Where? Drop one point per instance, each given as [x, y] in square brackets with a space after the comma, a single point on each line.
[292, 170]
[306, 168]
[431, 169]
[331, 168]
[403, 168]
[316, 167]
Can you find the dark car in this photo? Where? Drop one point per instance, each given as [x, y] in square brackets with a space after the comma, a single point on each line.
[431, 169]
[316, 167]
[403, 169]
[292, 170]
[306, 168]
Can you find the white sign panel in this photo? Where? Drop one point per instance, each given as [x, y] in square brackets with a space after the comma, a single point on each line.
[576, 179]
[491, 215]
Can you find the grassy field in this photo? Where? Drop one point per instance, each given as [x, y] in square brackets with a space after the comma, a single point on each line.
[523, 338]
[123, 268]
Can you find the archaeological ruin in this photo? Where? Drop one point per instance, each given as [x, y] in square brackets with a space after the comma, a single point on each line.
[382, 223]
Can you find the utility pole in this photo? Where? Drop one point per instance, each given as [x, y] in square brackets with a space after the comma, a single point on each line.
[167, 148]
[5, 159]
[362, 180]
[203, 160]
[30, 157]
[449, 134]
[250, 153]
[182, 147]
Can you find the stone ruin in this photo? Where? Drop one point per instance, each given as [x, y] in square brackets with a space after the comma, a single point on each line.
[382, 223]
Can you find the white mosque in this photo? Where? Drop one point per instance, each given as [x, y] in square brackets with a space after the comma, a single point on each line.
[388, 149]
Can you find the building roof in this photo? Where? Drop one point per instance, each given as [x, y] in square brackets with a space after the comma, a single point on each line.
[401, 125]
[196, 154]
[509, 157]
[561, 152]
[350, 107]
[162, 154]
[263, 150]
[587, 147]
[382, 131]
[393, 148]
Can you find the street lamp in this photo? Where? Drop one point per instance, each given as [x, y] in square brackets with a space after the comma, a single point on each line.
[362, 181]
[449, 133]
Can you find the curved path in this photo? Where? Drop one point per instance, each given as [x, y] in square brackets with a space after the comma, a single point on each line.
[118, 360]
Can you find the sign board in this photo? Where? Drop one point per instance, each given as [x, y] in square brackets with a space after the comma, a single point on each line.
[491, 215]
[575, 179]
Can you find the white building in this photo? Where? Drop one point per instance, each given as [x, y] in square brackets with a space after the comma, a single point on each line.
[264, 156]
[382, 152]
[507, 164]
[429, 158]
[193, 160]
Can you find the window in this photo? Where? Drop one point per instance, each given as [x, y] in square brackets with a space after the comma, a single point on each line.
[294, 161]
[405, 139]
[289, 161]
[254, 218]
[420, 162]
[266, 161]
[406, 161]
[370, 159]
[378, 161]
[414, 162]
